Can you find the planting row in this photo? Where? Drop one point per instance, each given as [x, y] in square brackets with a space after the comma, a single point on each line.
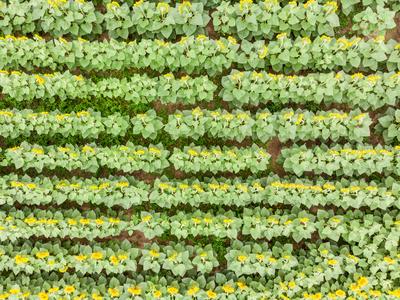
[137, 88]
[239, 88]
[244, 19]
[132, 158]
[342, 160]
[128, 192]
[338, 160]
[354, 227]
[317, 263]
[220, 286]
[82, 19]
[237, 125]
[355, 90]
[197, 54]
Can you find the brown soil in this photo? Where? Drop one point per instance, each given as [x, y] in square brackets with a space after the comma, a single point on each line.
[274, 149]
[395, 32]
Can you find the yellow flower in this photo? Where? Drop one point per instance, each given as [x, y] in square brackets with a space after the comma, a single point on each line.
[242, 258]
[80, 257]
[113, 292]
[72, 222]
[69, 289]
[154, 253]
[42, 254]
[15, 291]
[43, 296]
[40, 80]
[157, 294]
[97, 255]
[242, 285]
[193, 291]
[184, 6]
[163, 7]
[21, 259]
[16, 184]
[135, 290]
[37, 151]
[96, 296]
[63, 270]
[211, 294]
[388, 260]
[304, 220]
[281, 36]
[84, 221]
[88, 149]
[362, 281]
[172, 290]
[340, 293]
[53, 290]
[227, 288]
[232, 40]
[332, 262]
[146, 218]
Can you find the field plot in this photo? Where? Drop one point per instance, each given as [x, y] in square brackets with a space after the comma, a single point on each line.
[210, 149]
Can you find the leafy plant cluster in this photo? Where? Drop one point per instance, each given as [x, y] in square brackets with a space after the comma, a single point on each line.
[356, 90]
[196, 54]
[138, 88]
[274, 191]
[88, 158]
[315, 264]
[80, 18]
[389, 125]
[193, 159]
[263, 126]
[341, 160]
[246, 19]
[111, 257]
[88, 124]
[354, 227]
[25, 223]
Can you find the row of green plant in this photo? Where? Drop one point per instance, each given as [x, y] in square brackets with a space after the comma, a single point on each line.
[221, 286]
[112, 258]
[263, 259]
[237, 125]
[340, 160]
[317, 263]
[238, 88]
[246, 19]
[130, 158]
[90, 158]
[263, 126]
[87, 124]
[192, 159]
[275, 191]
[354, 227]
[356, 90]
[166, 193]
[137, 88]
[80, 18]
[197, 54]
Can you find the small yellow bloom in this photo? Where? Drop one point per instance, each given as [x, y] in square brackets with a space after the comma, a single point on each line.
[227, 288]
[42, 254]
[21, 259]
[97, 255]
[135, 290]
[113, 292]
[172, 290]
[69, 289]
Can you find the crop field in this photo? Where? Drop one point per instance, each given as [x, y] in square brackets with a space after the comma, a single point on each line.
[212, 149]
